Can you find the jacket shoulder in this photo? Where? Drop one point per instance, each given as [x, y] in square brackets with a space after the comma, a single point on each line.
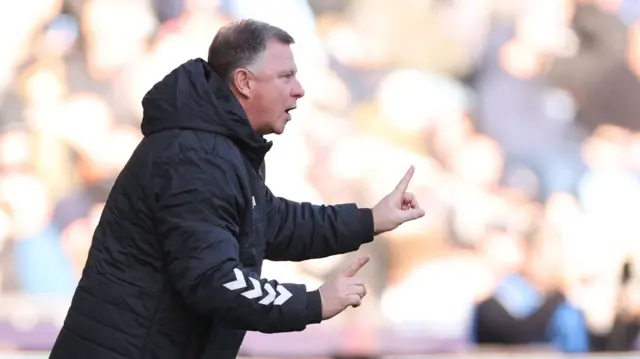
[183, 153]
[173, 143]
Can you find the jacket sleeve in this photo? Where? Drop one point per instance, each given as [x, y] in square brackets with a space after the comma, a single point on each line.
[300, 231]
[197, 221]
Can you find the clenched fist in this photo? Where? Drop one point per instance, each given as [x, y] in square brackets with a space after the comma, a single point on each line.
[343, 290]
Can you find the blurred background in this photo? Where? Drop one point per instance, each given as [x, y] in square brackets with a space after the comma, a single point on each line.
[522, 118]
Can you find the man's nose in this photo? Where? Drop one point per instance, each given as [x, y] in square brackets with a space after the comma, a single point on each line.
[297, 91]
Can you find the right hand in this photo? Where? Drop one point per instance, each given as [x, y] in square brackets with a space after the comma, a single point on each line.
[343, 290]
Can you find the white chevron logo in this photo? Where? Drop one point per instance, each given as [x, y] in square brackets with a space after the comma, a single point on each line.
[283, 297]
[271, 295]
[239, 283]
[271, 298]
[255, 292]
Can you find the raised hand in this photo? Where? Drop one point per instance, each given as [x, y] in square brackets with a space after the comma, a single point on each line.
[397, 207]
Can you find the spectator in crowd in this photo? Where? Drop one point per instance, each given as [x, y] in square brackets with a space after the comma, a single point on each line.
[528, 307]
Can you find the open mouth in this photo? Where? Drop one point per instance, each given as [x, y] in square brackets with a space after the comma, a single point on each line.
[287, 111]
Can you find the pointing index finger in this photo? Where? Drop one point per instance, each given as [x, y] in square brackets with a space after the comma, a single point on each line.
[404, 182]
[355, 267]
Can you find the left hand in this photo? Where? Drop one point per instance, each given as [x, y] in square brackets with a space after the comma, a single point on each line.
[397, 207]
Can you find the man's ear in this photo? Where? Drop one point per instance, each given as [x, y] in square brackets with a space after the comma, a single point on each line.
[241, 79]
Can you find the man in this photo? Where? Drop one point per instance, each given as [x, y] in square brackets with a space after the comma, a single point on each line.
[174, 267]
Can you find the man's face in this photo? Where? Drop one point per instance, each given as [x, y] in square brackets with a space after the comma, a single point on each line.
[273, 89]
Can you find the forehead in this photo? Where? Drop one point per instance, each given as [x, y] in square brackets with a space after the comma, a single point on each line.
[278, 57]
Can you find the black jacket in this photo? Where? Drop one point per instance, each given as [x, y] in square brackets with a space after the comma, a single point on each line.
[494, 324]
[174, 266]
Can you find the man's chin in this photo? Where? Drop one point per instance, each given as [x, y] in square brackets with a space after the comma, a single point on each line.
[278, 130]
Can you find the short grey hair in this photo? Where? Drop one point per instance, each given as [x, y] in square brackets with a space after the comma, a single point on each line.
[240, 44]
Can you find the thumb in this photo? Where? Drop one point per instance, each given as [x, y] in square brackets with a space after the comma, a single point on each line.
[351, 270]
[411, 214]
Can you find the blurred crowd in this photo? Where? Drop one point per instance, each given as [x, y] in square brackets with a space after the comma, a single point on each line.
[521, 116]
